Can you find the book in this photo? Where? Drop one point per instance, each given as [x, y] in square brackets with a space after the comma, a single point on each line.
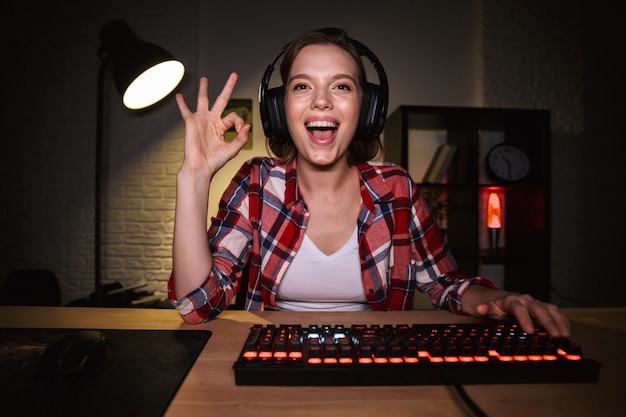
[439, 164]
[421, 146]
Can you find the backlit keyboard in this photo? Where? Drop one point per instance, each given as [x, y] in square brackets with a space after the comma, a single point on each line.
[411, 354]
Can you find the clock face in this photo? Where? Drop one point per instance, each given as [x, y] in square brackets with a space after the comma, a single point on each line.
[508, 163]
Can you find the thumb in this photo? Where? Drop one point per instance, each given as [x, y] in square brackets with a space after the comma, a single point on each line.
[482, 309]
[242, 137]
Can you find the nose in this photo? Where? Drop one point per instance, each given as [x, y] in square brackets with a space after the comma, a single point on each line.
[321, 100]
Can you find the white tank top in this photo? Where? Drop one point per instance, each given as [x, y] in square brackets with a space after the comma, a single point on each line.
[315, 281]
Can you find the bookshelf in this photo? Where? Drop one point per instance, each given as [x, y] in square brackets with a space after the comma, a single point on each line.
[521, 261]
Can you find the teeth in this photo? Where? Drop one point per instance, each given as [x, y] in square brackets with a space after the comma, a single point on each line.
[321, 123]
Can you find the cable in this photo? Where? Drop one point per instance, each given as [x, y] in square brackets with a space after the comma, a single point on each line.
[452, 381]
[478, 412]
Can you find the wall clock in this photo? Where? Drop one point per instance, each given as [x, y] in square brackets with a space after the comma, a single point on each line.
[508, 163]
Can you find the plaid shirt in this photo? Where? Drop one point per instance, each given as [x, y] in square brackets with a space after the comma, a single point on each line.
[262, 220]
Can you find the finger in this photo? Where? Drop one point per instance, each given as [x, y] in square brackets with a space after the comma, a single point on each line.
[523, 318]
[182, 106]
[242, 137]
[517, 306]
[561, 321]
[551, 319]
[514, 308]
[233, 120]
[222, 100]
[203, 94]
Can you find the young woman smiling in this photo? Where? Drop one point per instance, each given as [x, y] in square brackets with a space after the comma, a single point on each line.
[318, 226]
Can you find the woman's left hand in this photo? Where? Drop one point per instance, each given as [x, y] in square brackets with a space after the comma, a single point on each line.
[499, 305]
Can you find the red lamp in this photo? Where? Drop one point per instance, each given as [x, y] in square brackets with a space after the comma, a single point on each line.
[494, 220]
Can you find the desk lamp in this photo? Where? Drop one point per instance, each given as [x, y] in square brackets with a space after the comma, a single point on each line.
[144, 74]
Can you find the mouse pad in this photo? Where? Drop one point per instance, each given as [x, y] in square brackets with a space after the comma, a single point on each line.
[146, 369]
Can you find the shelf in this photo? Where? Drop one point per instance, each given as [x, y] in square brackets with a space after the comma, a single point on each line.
[411, 137]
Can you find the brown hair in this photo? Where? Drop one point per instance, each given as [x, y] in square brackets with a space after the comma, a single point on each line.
[361, 149]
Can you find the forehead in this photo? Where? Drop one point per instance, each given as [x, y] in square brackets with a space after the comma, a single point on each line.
[324, 58]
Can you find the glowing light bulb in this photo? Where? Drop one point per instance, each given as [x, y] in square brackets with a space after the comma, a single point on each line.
[493, 212]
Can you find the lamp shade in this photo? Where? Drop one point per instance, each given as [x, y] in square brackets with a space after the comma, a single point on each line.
[143, 73]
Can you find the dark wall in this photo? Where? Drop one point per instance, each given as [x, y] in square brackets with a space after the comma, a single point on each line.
[604, 229]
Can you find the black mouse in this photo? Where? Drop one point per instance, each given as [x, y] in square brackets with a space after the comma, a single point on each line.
[80, 352]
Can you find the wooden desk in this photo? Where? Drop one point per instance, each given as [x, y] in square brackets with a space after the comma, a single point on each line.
[210, 390]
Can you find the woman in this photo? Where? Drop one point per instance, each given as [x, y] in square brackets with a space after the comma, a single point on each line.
[320, 227]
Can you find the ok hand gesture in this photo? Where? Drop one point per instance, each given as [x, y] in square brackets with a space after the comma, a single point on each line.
[205, 147]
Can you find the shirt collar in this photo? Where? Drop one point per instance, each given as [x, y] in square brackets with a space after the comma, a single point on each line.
[374, 190]
[292, 192]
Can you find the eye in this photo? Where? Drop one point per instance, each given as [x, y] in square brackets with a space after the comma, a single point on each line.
[345, 84]
[300, 87]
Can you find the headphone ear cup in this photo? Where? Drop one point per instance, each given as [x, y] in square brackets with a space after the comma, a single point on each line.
[371, 118]
[275, 123]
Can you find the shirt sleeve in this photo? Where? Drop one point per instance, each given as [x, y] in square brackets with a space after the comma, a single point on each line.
[228, 239]
[433, 264]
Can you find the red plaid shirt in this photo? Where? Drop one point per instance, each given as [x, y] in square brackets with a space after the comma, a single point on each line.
[262, 220]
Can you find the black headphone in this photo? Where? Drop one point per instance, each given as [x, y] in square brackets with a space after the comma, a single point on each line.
[373, 106]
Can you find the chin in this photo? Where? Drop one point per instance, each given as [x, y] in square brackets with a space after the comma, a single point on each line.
[325, 162]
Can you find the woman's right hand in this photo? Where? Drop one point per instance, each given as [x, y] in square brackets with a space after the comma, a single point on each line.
[205, 147]
[206, 152]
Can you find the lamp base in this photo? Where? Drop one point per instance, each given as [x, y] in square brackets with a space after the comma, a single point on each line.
[494, 237]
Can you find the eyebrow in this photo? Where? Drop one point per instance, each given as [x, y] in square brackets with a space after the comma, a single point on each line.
[335, 77]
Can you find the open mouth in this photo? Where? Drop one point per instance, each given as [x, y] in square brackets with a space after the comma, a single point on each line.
[321, 129]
